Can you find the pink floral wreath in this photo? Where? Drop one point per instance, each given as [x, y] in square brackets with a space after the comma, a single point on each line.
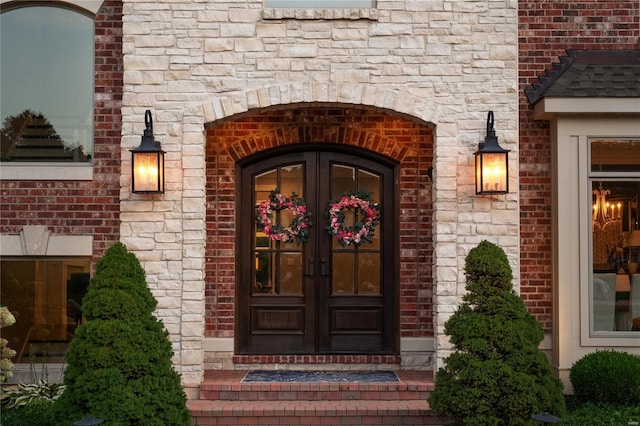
[297, 231]
[365, 209]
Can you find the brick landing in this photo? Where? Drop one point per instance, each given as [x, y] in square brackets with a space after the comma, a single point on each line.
[225, 400]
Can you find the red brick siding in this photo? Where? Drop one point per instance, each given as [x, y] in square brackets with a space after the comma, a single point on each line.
[82, 207]
[408, 142]
[546, 30]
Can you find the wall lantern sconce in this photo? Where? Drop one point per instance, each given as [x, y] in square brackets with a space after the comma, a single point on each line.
[147, 163]
[492, 166]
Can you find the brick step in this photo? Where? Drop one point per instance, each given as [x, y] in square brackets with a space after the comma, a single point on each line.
[314, 391]
[228, 386]
[226, 400]
[353, 412]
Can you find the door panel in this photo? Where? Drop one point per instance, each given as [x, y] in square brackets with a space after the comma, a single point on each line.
[316, 297]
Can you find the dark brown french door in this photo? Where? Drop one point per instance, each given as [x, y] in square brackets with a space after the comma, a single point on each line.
[317, 296]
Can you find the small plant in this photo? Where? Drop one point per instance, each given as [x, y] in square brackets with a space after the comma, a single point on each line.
[6, 353]
[607, 376]
[25, 394]
[497, 374]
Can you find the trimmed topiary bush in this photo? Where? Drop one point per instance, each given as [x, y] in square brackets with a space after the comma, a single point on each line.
[607, 377]
[119, 361]
[497, 375]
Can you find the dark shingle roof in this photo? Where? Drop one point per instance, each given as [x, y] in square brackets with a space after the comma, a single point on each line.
[591, 73]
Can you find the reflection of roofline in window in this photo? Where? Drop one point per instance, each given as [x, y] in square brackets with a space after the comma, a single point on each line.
[30, 136]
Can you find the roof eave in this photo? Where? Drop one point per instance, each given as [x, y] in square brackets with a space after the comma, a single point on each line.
[550, 107]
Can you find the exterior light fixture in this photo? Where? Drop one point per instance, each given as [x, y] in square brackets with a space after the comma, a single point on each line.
[147, 163]
[492, 165]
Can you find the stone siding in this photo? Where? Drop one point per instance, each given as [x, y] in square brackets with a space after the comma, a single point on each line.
[446, 63]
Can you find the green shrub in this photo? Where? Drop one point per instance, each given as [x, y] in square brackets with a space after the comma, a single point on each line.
[497, 374]
[607, 376]
[119, 362]
[37, 412]
[581, 414]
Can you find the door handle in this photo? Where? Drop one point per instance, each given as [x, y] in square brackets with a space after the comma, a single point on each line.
[323, 268]
[310, 274]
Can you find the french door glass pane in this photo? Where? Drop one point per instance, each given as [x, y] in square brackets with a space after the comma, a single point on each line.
[291, 180]
[290, 274]
[343, 274]
[369, 273]
[368, 182]
[263, 270]
[343, 179]
[264, 184]
[278, 265]
[355, 270]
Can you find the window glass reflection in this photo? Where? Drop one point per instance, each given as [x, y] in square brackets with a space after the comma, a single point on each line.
[46, 75]
[290, 280]
[369, 273]
[615, 155]
[343, 179]
[45, 296]
[615, 230]
[343, 273]
[277, 264]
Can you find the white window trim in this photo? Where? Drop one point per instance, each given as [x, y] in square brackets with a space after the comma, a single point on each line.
[52, 170]
[92, 6]
[572, 239]
[36, 240]
[45, 171]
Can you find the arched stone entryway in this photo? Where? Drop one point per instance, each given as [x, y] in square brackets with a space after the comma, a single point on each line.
[401, 138]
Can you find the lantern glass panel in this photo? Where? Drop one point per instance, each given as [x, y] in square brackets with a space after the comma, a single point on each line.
[147, 172]
[491, 173]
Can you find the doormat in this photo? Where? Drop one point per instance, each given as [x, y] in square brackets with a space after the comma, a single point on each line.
[320, 376]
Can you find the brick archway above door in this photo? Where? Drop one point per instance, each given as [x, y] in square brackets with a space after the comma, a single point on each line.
[393, 136]
[401, 138]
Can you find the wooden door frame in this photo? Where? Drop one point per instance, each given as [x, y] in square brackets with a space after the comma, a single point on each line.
[274, 154]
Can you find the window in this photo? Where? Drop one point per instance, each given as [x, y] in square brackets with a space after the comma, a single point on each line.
[45, 296]
[46, 75]
[614, 182]
[322, 4]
